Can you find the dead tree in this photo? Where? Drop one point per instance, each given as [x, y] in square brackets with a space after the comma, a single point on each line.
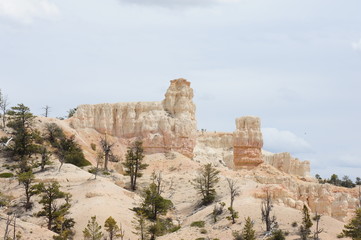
[318, 230]
[107, 150]
[10, 221]
[47, 110]
[4, 103]
[100, 157]
[266, 208]
[234, 192]
[158, 180]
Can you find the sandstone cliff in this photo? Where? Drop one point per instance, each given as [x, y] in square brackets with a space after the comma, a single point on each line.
[162, 126]
[288, 164]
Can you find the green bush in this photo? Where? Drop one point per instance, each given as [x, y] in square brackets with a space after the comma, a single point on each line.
[93, 146]
[6, 175]
[203, 231]
[199, 224]
[77, 158]
[201, 238]
[4, 200]
[174, 228]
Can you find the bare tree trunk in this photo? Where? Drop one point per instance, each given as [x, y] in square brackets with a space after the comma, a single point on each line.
[47, 110]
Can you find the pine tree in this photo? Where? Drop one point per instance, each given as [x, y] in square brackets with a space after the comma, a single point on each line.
[133, 163]
[26, 179]
[112, 228]
[140, 224]
[353, 228]
[248, 233]
[305, 228]
[205, 183]
[55, 214]
[21, 120]
[154, 204]
[93, 230]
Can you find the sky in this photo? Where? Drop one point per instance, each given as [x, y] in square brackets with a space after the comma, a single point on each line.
[295, 64]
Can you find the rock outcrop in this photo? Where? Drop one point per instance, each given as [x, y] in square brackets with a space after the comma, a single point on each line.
[164, 126]
[326, 199]
[215, 148]
[247, 143]
[288, 164]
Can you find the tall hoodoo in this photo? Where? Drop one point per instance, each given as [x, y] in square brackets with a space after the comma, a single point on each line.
[162, 126]
[178, 99]
[247, 143]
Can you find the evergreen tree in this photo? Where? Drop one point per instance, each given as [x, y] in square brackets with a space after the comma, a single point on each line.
[112, 228]
[140, 224]
[93, 230]
[205, 183]
[305, 228]
[55, 214]
[45, 156]
[154, 204]
[353, 228]
[133, 163]
[248, 233]
[21, 120]
[26, 179]
[277, 234]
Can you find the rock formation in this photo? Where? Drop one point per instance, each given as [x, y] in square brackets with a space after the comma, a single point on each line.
[326, 199]
[247, 142]
[288, 164]
[162, 126]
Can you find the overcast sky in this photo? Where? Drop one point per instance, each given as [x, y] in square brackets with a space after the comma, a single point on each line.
[296, 64]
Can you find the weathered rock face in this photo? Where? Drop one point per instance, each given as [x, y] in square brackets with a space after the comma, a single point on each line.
[288, 164]
[247, 143]
[162, 126]
[326, 199]
[215, 148]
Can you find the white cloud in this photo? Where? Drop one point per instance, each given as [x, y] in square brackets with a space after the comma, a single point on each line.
[275, 140]
[357, 45]
[177, 3]
[25, 11]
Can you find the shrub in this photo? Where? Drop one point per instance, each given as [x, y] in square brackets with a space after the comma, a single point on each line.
[93, 146]
[294, 224]
[199, 224]
[6, 175]
[203, 231]
[76, 158]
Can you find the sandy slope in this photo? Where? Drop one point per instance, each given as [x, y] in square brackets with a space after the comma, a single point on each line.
[107, 196]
